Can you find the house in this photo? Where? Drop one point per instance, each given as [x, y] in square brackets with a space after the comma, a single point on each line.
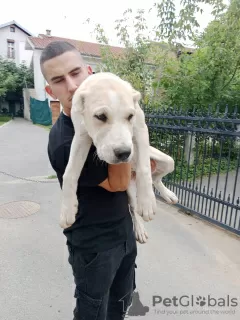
[12, 43]
[90, 52]
[12, 47]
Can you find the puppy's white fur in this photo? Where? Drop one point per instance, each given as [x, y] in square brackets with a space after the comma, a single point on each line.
[105, 111]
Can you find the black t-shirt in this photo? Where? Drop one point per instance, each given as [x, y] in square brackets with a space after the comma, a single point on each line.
[103, 219]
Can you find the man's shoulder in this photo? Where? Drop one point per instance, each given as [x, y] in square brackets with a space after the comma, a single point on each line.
[60, 135]
[59, 144]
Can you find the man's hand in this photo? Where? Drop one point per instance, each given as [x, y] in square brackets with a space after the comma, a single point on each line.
[153, 164]
[119, 176]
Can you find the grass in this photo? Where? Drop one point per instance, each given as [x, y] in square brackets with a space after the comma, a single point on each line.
[48, 128]
[52, 177]
[4, 119]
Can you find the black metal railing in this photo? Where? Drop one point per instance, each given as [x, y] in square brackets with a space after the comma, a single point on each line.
[206, 148]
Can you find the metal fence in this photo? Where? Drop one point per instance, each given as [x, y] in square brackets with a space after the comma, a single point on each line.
[206, 148]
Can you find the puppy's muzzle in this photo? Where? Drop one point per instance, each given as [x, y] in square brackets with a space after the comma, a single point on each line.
[122, 154]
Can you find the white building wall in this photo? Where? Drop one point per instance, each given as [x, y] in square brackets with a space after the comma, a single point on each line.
[39, 81]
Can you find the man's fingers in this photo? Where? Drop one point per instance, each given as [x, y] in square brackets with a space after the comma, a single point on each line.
[153, 165]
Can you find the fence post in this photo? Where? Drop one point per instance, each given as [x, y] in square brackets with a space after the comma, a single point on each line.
[189, 148]
[238, 138]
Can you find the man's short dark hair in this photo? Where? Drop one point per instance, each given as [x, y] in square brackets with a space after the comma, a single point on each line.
[55, 49]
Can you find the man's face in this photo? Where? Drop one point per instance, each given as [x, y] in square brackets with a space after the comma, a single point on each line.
[64, 75]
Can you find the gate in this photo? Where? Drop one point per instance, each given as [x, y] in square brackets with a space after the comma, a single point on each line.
[206, 148]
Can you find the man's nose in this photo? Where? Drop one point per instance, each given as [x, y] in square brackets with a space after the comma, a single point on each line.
[72, 87]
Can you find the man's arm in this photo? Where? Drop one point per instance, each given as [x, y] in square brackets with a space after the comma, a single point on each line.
[95, 173]
[119, 176]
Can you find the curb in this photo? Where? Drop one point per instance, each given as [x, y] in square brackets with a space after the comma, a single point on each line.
[34, 179]
[5, 124]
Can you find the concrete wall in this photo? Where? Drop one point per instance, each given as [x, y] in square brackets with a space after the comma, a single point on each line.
[93, 62]
[19, 37]
[39, 81]
[27, 93]
[5, 104]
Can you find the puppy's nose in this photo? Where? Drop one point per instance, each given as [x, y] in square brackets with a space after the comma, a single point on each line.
[122, 154]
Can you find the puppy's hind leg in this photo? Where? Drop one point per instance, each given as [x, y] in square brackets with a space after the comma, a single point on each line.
[165, 193]
[165, 165]
[139, 229]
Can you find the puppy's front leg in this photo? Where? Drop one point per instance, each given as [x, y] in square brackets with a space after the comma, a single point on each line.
[79, 151]
[146, 200]
[139, 229]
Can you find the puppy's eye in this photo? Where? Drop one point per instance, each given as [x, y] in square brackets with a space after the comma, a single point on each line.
[102, 117]
[130, 117]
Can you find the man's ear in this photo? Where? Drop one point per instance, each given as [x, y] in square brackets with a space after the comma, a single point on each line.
[78, 101]
[49, 91]
[89, 68]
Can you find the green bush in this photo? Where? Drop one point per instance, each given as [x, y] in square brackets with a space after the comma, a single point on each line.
[183, 171]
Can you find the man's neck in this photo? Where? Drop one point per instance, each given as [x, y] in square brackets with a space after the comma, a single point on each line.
[67, 113]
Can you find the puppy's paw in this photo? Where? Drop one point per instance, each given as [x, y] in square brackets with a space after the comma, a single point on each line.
[140, 231]
[169, 196]
[68, 212]
[147, 205]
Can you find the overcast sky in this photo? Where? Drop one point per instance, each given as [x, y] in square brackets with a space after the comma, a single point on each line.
[67, 20]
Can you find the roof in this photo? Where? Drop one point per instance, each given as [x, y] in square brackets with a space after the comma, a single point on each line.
[85, 48]
[13, 22]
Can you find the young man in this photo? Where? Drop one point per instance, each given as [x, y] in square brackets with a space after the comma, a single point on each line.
[101, 242]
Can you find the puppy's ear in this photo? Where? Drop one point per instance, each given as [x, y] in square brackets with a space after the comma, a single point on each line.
[78, 102]
[136, 96]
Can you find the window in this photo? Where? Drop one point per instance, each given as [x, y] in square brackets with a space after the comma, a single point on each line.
[11, 49]
[12, 29]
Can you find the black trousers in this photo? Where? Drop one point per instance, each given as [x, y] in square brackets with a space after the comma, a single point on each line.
[105, 281]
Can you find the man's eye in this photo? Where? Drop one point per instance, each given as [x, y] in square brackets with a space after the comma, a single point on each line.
[101, 117]
[58, 81]
[130, 117]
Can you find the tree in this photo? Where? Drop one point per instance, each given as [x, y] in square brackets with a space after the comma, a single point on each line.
[133, 63]
[212, 74]
[14, 78]
[174, 26]
[152, 53]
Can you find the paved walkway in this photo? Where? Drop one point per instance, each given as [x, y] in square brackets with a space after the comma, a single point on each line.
[23, 149]
[184, 256]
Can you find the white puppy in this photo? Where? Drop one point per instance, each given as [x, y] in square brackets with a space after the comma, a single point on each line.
[105, 111]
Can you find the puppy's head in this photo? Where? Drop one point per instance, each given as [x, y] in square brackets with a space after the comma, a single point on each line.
[108, 107]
